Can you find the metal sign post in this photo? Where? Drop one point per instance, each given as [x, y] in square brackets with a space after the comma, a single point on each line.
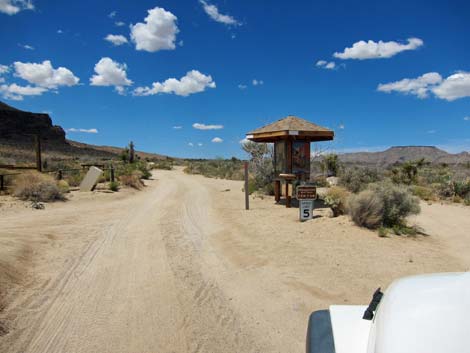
[306, 196]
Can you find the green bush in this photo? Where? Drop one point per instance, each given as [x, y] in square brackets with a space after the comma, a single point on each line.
[383, 204]
[63, 186]
[357, 179]
[336, 198]
[331, 164]
[113, 186]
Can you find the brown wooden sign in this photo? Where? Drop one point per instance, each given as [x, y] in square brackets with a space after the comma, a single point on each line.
[306, 193]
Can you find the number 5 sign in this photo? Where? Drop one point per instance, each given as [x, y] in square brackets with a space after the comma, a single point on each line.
[306, 210]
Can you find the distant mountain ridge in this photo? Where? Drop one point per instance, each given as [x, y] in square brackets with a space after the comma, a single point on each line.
[400, 154]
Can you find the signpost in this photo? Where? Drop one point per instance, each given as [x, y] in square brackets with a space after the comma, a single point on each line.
[306, 196]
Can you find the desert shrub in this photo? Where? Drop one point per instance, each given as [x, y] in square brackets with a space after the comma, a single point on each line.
[331, 164]
[165, 165]
[366, 209]
[261, 162]
[36, 187]
[424, 193]
[336, 198]
[132, 180]
[357, 179]
[63, 186]
[461, 188]
[113, 186]
[408, 172]
[218, 168]
[383, 204]
[320, 181]
[74, 178]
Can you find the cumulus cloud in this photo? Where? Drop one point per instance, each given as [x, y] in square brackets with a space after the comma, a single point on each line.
[4, 69]
[157, 33]
[257, 82]
[12, 7]
[214, 13]
[116, 39]
[110, 73]
[453, 87]
[44, 75]
[325, 64]
[16, 92]
[200, 126]
[193, 82]
[88, 131]
[419, 86]
[217, 140]
[377, 50]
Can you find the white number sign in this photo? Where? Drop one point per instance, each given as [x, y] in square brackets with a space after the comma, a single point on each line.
[306, 209]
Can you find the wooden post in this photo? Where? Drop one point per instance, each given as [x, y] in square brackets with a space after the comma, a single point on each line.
[288, 198]
[247, 195]
[277, 190]
[2, 183]
[38, 153]
[112, 173]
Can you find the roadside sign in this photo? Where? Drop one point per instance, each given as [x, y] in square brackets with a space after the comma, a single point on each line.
[305, 192]
[305, 210]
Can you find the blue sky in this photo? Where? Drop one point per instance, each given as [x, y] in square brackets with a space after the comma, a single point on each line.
[378, 73]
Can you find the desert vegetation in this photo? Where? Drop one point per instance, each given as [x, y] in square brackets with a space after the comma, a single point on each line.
[34, 186]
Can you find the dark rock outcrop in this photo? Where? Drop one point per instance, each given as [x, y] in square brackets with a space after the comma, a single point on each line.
[21, 126]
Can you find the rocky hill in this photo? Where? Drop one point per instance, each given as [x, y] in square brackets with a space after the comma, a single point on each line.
[19, 128]
[400, 154]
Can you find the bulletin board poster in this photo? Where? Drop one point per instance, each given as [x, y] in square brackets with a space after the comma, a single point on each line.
[300, 157]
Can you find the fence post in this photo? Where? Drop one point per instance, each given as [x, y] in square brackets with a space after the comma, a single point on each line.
[2, 183]
[38, 153]
[247, 195]
[112, 173]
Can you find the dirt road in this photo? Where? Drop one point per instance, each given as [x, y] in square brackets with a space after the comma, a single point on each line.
[181, 267]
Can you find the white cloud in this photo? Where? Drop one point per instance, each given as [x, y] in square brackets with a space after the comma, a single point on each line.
[112, 14]
[377, 50]
[326, 65]
[178, 127]
[44, 75]
[59, 31]
[12, 7]
[200, 126]
[190, 144]
[242, 86]
[119, 23]
[16, 92]
[116, 39]
[192, 82]
[341, 126]
[453, 87]
[257, 82]
[419, 86]
[4, 69]
[467, 118]
[110, 73]
[157, 33]
[217, 140]
[88, 131]
[199, 144]
[26, 46]
[214, 13]
[243, 141]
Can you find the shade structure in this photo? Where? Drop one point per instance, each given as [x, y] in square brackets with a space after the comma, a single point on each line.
[291, 127]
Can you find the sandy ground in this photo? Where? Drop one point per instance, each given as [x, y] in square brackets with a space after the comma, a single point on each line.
[182, 267]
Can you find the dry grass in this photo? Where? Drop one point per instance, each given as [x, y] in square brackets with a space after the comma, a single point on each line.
[133, 180]
[34, 186]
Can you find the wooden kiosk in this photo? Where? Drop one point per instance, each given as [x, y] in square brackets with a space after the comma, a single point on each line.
[291, 137]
